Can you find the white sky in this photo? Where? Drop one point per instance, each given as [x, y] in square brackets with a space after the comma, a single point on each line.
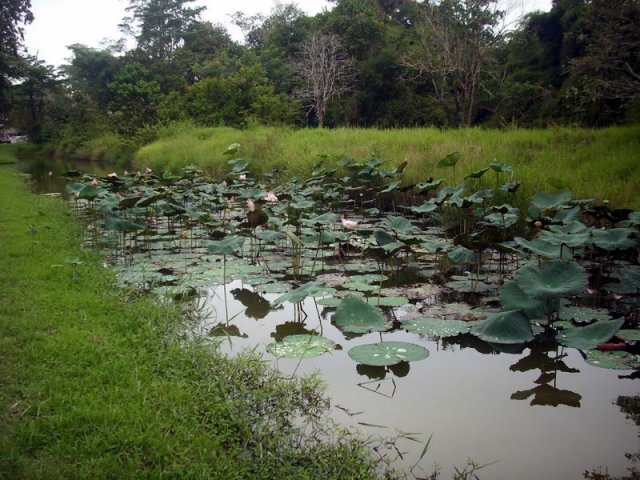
[59, 23]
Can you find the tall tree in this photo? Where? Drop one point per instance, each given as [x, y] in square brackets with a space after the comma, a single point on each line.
[327, 73]
[14, 14]
[159, 26]
[455, 38]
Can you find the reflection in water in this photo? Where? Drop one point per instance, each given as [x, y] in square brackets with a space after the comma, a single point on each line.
[378, 372]
[224, 330]
[257, 306]
[549, 366]
[290, 328]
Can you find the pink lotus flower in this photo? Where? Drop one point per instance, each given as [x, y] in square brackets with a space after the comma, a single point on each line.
[270, 197]
[348, 224]
[94, 181]
[250, 205]
[242, 177]
[147, 170]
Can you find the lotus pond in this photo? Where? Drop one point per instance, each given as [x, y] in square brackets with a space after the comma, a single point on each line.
[455, 321]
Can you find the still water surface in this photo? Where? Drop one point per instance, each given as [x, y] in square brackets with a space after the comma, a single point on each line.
[462, 394]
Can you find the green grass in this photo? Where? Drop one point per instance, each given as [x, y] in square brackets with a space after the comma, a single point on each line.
[98, 383]
[603, 164]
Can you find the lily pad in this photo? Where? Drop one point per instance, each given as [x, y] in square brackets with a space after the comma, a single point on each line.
[226, 246]
[355, 315]
[613, 360]
[504, 327]
[556, 278]
[629, 335]
[388, 353]
[436, 327]
[298, 294]
[583, 314]
[589, 337]
[301, 346]
[513, 298]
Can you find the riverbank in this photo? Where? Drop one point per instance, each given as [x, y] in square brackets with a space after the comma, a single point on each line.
[98, 383]
[601, 164]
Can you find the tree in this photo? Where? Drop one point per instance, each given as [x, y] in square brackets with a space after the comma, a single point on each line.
[159, 26]
[13, 15]
[327, 73]
[453, 49]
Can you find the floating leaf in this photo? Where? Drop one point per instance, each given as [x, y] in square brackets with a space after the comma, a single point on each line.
[555, 279]
[301, 346]
[629, 335]
[613, 360]
[226, 246]
[436, 327]
[298, 294]
[504, 327]
[543, 249]
[398, 224]
[589, 337]
[355, 315]
[388, 353]
[583, 314]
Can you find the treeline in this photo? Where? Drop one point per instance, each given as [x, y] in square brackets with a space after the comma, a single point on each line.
[384, 63]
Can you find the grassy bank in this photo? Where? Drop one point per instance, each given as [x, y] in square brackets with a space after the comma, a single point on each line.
[591, 163]
[96, 383]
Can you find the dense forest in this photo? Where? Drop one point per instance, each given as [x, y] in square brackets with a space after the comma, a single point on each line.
[379, 63]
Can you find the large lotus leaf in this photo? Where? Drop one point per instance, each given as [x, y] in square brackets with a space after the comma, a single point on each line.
[544, 200]
[74, 188]
[450, 160]
[589, 337]
[629, 276]
[90, 192]
[629, 335]
[426, 207]
[355, 315]
[398, 224]
[301, 346]
[556, 278]
[569, 239]
[436, 245]
[388, 301]
[429, 185]
[324, 219]
[388, 353]
[226, 246]
[543, 249]
[583, 314]
[303, 291]
[122, 224]
[616, 238]
[503, 216]
[513, 298]
[477, 173]
[504, 327]
[501, 167]
[613, 360]
[463, 255]
[436, 327]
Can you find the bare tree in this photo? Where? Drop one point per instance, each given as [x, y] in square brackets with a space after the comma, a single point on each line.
[453, 49]
[327, 72]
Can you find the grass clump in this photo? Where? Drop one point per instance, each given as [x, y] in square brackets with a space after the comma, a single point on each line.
[98, 383]
[602, 164]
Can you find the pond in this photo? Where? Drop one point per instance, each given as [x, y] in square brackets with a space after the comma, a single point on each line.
[487, 328]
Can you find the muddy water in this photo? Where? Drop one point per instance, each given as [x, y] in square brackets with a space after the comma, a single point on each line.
[461, 397]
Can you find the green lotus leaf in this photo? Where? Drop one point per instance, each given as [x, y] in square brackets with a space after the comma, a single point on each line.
[543, 249]
[504, 327]
[388, 353]
[629, 276]
[430, 184]
[226, 246]
[450, 160]
[436, 327]
[616, 238]
[324, 219]
[513, 298]
[90, 192]
[118, 224]
[355, 315]
[501, 167]
[232, 149]
[583, 314]
[556, 278]
[391, 187]
[589, 337]
[613, 360]
[463, 255]
[544, 200]
[398, 224]
[478, 173]
[388, 301]
[426, 207]
[569, 239]
[301, 346]
[629, 335]
[303, 291]
[74, 188]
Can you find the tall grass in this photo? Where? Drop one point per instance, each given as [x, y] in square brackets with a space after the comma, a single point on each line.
[603, 164]
[98, 383]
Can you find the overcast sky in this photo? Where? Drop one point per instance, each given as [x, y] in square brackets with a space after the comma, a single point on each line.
[59, 23]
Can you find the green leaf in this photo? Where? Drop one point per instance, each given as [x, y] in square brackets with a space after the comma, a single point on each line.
[589, 337]
[544, 200]
[613, 360]
[436, 327]
[450, 160]
[118, 224]
[298, 294]
[232, 149]
[616, 238]
[504, 327]
[398, 224]
[226, 246]
[556, 278]
[513, 298]
[388, 353]
[301, 346]
[583, 314]
[357, 316]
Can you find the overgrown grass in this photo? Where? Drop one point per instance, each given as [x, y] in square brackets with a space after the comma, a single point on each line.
[603, 164]
[97, 383]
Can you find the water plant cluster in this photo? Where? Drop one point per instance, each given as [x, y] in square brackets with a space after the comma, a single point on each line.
[445, 261]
